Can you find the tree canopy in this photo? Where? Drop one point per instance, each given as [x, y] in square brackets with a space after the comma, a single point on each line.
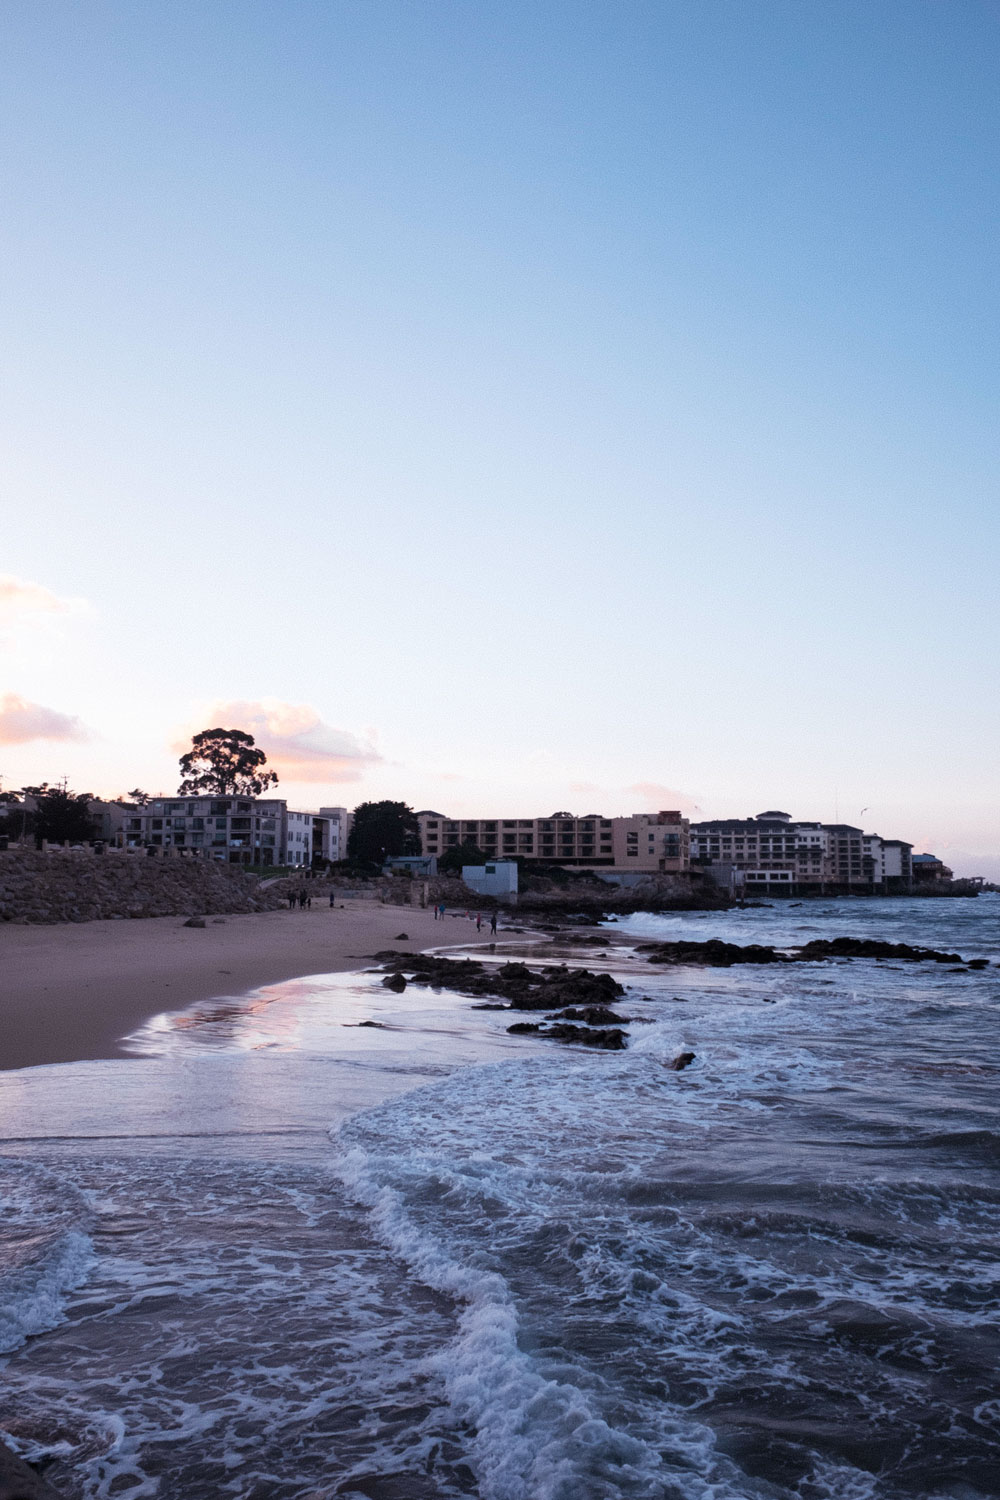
[61, 815]
[225, 762]
[382, 829]
[461, 854]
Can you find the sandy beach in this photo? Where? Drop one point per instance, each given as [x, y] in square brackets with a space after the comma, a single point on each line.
[70, 993]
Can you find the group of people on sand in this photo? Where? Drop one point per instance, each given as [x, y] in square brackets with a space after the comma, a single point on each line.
[439, 916]
[301, 898]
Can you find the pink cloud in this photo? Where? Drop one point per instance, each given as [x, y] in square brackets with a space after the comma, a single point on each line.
[664, 798]
[22, 721]
[296, 741]
[22, 601]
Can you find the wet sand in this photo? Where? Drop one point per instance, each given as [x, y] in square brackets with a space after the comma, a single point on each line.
[71, 992]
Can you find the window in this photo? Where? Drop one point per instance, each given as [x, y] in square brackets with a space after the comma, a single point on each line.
[219, 807]
[157, 823]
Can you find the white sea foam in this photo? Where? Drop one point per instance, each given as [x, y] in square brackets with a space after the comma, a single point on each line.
[536, 1438]
[46, 1250]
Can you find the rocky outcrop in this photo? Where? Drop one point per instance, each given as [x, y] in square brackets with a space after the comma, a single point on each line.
[79, 886]
[608, 1040]
[713, 954]
[553, 987]
[719, 955]
[574, 995]
[848, 947]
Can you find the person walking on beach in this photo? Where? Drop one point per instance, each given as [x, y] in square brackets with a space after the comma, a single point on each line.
[291, 900]
[479, 921]
[333, 899]
[493, 921]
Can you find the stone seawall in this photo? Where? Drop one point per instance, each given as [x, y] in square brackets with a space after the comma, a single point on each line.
[79, 886]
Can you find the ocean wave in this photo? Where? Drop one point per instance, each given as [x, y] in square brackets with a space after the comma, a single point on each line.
[46, 1250]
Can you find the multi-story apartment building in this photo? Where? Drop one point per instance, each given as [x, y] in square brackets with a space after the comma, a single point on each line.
[897, 864]
[643, 841]
[239, 830]
[771, 852]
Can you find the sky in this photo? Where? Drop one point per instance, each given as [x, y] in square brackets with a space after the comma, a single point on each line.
[507, 406]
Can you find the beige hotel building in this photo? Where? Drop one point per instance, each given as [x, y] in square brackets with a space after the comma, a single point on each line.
[645, 841]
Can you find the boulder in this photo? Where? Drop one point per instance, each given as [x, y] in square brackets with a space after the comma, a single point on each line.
[18, 1481]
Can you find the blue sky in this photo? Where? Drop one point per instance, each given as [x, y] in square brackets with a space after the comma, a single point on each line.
[505, 407]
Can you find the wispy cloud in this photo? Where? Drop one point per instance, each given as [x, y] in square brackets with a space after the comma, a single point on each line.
[296, 741]
[22, 721]
[23, 602]
[659, 798]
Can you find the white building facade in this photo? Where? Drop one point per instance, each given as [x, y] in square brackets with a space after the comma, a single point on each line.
[772, 852]
[238, 830]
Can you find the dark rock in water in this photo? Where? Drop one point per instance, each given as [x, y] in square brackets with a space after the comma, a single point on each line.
[612, 1040]
[719, 955]
[713, 954]
[593, 1015]
[395, 982]
[522, 1026]
[579, 939]
[195, 922]
[977, 963]
[681, 1061]
[377, 1024]
[18, 1481]
[551, 988]
[401, 937]
[849, 947]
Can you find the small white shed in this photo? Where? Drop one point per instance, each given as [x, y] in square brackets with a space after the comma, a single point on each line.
[498, 879]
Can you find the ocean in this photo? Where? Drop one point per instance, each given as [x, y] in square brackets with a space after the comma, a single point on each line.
[278, 1255]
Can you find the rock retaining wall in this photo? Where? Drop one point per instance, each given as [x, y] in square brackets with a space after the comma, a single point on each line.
[79, 886]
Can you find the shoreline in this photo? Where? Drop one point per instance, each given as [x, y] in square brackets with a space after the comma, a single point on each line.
[73, 992]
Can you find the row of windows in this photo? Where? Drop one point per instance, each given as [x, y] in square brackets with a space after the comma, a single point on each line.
[473, 825]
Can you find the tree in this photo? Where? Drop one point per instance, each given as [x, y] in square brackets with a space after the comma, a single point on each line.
[381, 829]
[136, 798]
[461, 854]
[62, 815]
[224, 763]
